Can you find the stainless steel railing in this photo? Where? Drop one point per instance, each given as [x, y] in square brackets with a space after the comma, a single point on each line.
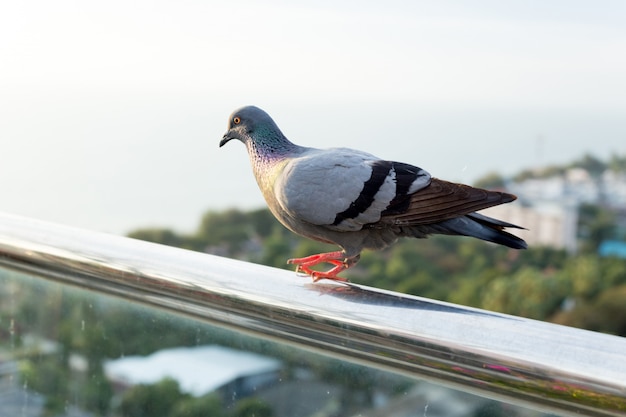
[536, 364]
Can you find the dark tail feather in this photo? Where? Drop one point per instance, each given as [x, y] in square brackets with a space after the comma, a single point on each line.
[491, 222]
[482, 227]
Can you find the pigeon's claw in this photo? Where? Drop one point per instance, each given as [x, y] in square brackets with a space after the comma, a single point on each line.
[332, 274]
[338, 259]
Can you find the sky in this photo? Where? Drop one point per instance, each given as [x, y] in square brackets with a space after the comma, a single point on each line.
[111, 112]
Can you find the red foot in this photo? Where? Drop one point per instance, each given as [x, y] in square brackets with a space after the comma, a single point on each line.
[337, 258]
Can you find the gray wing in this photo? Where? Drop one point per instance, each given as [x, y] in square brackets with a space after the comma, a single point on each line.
[344, 189]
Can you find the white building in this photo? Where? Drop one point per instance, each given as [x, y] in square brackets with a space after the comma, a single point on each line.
[614, 184]
[574, 185]
[549, 207]
[198, 370]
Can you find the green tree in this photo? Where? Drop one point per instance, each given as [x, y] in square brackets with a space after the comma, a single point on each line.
[613, 272]
[277, 249]
[617, 163]
[584, 276]
[49, 377]
[252, 407]
[594, 166]
[490, 181]
[265, 224]
[162, 236]
[230, 228]
[527, 293]
[208, 405]
[97, 391]
[156, 400]
[595, 224]
[604, 313]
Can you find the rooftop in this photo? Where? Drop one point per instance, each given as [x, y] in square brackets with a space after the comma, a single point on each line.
[198, 370]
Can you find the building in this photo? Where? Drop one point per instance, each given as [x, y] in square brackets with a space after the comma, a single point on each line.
[198, 370]
[548, 206]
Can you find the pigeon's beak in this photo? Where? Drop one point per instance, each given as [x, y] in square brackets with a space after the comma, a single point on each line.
[225, 139]
[232, 133]
[228, 136]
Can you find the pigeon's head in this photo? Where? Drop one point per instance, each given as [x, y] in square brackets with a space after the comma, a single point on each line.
[251, 126]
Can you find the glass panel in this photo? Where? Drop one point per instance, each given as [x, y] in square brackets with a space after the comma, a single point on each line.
[69, 352]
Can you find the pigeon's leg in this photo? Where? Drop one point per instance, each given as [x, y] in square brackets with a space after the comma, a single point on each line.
[337, 258]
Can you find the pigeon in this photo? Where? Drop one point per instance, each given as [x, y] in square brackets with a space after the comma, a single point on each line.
[355, 200]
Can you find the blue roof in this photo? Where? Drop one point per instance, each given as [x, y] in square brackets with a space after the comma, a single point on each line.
[612, 248]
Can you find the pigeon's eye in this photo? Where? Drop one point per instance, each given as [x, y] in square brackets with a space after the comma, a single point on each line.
[236, 120]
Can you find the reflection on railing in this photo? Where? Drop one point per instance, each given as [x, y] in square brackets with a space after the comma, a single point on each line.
[544, 366]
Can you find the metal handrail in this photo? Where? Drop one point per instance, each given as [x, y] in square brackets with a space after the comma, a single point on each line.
[540, 365]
